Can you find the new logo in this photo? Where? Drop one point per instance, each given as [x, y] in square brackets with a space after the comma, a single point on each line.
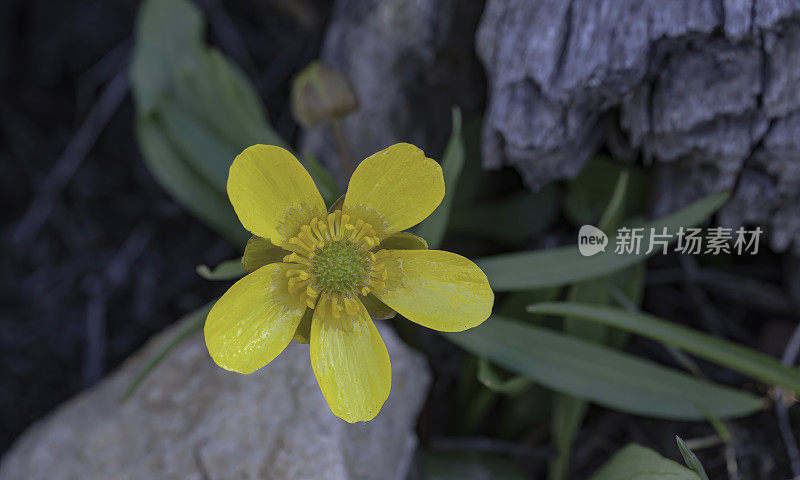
[591, 240]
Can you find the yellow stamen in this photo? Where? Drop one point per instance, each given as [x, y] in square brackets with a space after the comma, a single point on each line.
[335, 263]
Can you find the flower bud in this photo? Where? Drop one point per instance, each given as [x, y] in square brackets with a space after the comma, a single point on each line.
[321, 94]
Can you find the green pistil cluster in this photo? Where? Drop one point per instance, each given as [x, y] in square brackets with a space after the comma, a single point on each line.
[340, 266]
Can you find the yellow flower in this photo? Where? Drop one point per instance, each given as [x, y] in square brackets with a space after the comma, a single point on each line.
[317, 275]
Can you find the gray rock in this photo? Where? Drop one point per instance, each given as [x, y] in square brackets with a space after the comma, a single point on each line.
[409, 62]
[706, 89]
[192, 420]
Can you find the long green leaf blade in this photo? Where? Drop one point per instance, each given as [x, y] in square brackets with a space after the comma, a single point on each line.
[207, 153]
[185, 184]
[726, 353]
[434, 227]
[323, 179]
[563, 265]
[603, 375]
[198, 103]
[568, 411]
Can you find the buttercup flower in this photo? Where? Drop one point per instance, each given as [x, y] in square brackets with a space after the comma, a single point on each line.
[318, 276]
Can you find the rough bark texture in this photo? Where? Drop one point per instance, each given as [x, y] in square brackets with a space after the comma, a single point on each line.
[410, 62]
[192, 420]
[706, 89]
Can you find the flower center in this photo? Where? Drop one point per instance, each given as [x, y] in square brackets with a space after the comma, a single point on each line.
[335, 263]
[340, 266]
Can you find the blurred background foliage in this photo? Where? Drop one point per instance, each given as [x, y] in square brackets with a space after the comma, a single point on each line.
[195, 111]
[569, 347]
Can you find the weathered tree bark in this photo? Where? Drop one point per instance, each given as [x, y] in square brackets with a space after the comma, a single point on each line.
[705, 89]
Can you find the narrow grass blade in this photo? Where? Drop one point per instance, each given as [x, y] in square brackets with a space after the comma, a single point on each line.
[191, 325]
[601, 374]
[434, 227]
[569, 411]
[323, 179]
[564, 265]
[723, 352]
[491, 379]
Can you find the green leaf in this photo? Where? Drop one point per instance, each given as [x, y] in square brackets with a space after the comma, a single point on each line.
[723, 352]
[614, 212]
[626, 286]
[568, 411]
[511, 220]
[227, 270]
[195, 141]
[225, 98]
[473, 401]
[719, 426]
[587, 194]
[177, 88]
[403, 241]
[635, 462]
[492, 380]
[302, 334]
[600, 374]
[568, 415]
[516, 304]
[189, 325]
[468, 465]
[323, 179]
[167, 34]
[434, 227]
[259, 252]
[592, 292]
[564, 265]
[691, 459]
[185, 184]
[473, 182]
[196, 111]
[376, 308]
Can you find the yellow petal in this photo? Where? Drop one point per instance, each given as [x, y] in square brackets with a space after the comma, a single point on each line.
[272, 194]
[395, 189]
[351, 363]
[253, 321]
[437, 289]
[259, 252]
